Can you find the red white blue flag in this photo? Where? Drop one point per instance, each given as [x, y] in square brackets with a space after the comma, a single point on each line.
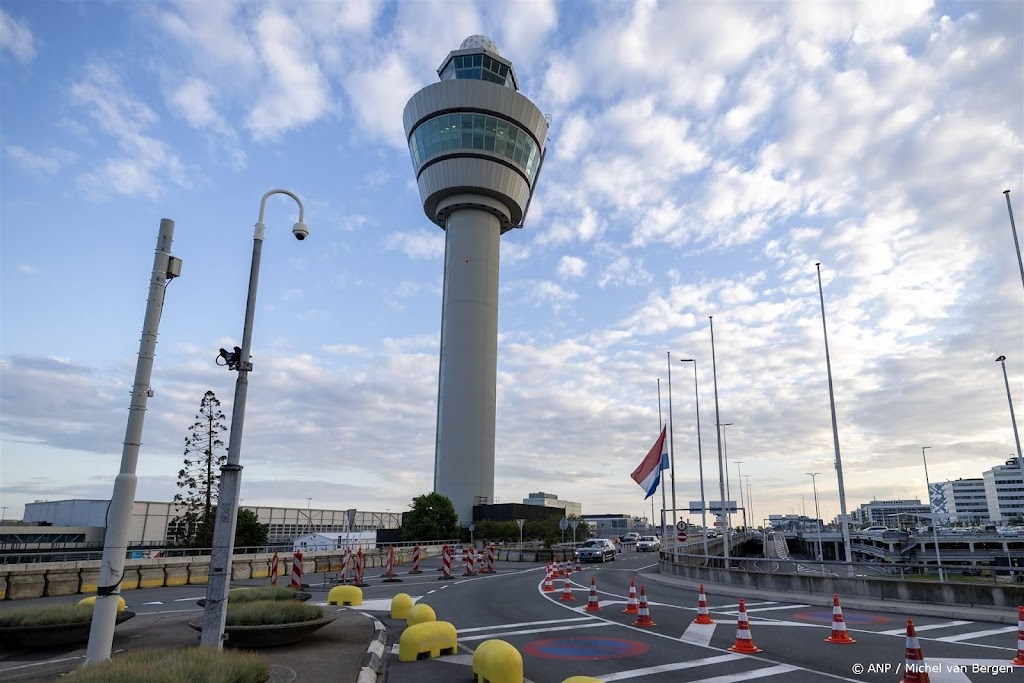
[648, 474]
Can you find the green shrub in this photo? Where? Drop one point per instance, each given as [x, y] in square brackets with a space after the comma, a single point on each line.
[271, 612]
[194, 664]
[46, 616]
[237, 595]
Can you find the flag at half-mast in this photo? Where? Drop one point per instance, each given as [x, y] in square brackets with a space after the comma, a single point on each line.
[648, 474]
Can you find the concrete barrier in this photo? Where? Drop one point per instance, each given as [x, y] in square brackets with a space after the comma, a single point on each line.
[3, 586]
[432, 638]
[152, 577]
[176, 573]
[26, 584]
[61, 579]
[241, 569]
[130, 578]
[198, 572]
[496, 661]
[88, 578]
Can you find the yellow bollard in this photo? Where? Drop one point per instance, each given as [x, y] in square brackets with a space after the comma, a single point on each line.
[496, 661]
[430, 638]
[91, 600]
[345, 595]
[400, 606]
[420, 614]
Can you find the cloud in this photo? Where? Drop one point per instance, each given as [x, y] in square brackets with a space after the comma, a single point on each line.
[571, 267]
[417, 244]
[48, 164]
[16, 38]
[194, 100]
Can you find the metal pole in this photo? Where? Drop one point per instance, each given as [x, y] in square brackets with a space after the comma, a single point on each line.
[935, 520]
[219, 580]
[1013, 418]
[835, 436]
[700, 458]
[1013, 227]
[750, 500]
[718, 430]
[671, 442]
[664, 527]
[725, 457]
[739, 475]
[817, 517]
[115, 541]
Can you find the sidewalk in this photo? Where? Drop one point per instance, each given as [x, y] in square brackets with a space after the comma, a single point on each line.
[998, 615]
[337, 652]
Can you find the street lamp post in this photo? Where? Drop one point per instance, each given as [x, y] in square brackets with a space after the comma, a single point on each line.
[750, 501]
[718, 429]
[935, 520]
[817, 517]
[739, 474]
[231, 473]
[1013, 418]
[700, 458]
[1013, 228]
[725, 456]
[835, 436]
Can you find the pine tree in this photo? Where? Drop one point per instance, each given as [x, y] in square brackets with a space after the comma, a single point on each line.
[199, 478]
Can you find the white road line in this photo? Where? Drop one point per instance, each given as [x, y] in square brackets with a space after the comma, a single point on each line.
[525, 623]
[698, 634]
[153, 603]
[664, 668]
[537, 630]
[44, 663]
[926, 627]
[188, 599]
[976, 634]
[168, 611]
[737, 606]
[756, 673]
[765, 609]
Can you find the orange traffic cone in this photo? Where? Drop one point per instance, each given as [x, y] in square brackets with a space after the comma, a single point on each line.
[914, 666]
[643, 617]
[549, 585]
[592, 604]
[744, 642]
[839, 634]
[1019, 661]
[565, 568]
[632, 607]
[567, 592]
[578, 567]
[703, 616]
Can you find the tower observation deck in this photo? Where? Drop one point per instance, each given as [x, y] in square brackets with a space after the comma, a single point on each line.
[477, 146]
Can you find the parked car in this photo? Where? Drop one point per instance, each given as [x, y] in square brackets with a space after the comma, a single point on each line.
[631, 537]
[713, 533]
[596, 550]
[645, 543]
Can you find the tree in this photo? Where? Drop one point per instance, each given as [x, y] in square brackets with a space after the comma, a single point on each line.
[431, 517]
[248, 530]
[199, 477]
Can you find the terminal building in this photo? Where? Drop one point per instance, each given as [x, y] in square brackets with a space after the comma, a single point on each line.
[1004, 491]
[967, 501]
[550, 500]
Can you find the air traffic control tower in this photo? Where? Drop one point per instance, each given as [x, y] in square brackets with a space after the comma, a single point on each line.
[477, 147]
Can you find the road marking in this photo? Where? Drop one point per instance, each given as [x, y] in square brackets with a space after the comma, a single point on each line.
[756, 673]
[48, 661]
[955, 670]
[664, 668]
[765, 609]
[926, 627]
[976, 634]
[524, 623]
[698, 634]
[537, 630]
[379, 604]
[169, 611]
[736, 606]
[187, 599]
[153, 603]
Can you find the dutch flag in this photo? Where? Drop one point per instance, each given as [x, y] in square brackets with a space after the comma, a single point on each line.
[648, 474]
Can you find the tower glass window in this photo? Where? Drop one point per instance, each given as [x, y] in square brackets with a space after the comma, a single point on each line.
[452, 132]
[478, 67]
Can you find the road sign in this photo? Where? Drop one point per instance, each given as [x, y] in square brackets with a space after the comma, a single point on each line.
[563, 524]
[681, 537]
[574, 523]
[681, 525]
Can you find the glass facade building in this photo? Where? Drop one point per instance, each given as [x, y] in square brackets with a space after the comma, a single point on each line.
[465, 132]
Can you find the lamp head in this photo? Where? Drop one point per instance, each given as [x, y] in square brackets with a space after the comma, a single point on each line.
[300, 230]
[1000, 359]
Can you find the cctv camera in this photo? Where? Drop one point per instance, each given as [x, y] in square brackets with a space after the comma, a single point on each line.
[300, 230]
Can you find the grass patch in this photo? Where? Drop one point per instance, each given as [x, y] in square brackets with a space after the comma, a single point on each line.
[46, 616]
[271, 612]
[194, 664]
[237, 595]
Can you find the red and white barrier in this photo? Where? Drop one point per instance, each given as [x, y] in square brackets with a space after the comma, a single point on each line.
[359, 568]
[446, 562]
[1019, 660]
[274, 568]
[416, 560]
[492, 553]
[296, 582]
[389, 572]
[346, 558]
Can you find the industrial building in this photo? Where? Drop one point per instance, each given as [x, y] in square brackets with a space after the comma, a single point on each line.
[1004, 491]
[550, 500]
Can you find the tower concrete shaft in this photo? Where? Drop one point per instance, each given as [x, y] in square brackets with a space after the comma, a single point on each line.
[477, 146]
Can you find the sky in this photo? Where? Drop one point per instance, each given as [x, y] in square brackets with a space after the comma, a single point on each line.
[702, 157]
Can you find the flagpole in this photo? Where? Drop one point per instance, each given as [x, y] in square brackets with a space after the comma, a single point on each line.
[663, 530]
[671, 444]
[718, 429]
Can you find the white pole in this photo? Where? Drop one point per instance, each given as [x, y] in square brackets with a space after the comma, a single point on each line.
[739, 480]
[671, 443]
[115, 541]
[700, 458]
[1013, 227]
[835, 436]
[718, 429]
[219, 581]
[664, 529]
[935, 520]
[817, 517]
[1013, 418]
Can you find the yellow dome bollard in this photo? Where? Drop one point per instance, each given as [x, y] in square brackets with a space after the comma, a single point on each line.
[400, 606]
[496, 661]
[91, 600]
[428, 639]
[581, 679]
[345, 595]
[420, 614]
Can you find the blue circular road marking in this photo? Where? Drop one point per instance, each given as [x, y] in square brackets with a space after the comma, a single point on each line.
[584, 648]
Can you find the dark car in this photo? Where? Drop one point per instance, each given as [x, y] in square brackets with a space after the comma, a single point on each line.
[596, 550]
